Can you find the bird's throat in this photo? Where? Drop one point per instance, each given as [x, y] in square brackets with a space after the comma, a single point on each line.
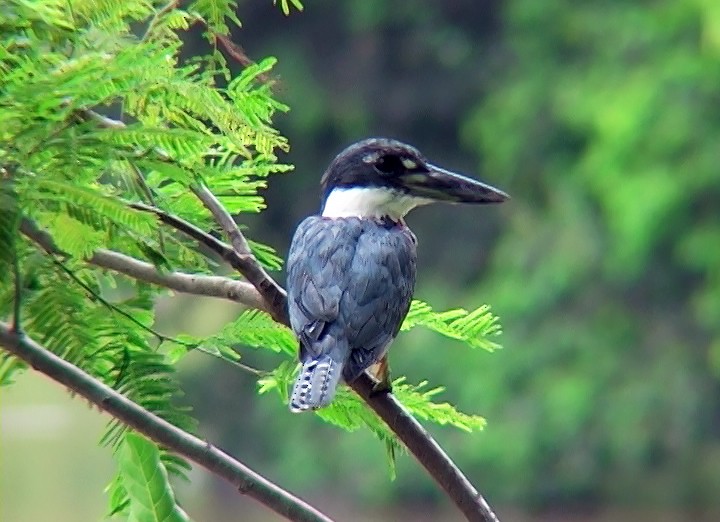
[370, 202]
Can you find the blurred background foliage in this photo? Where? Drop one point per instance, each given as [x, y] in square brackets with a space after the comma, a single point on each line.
[602, 120]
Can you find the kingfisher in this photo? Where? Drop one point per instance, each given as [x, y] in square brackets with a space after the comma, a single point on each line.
[351, 269]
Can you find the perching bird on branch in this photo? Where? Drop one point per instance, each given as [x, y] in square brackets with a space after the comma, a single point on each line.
[351, 270]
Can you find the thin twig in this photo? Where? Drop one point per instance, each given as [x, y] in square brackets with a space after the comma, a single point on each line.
[17, 304]
[203, 453]
[156, 18]
[150, 199]
[103, 121]
[224, 219]
[235, 51]
[273, 295]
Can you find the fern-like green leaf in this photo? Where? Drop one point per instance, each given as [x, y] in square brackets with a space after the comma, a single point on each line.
[9, 366]
[167, 142]
[256, 329]
[91, 205]
[216, 13]
[420, 402]
[244, 80]
[285, 5]
[73, 236]
[475, 328]
[266, 255]
[279, 380]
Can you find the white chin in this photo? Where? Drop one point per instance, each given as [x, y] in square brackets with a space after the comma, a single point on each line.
[370, 202]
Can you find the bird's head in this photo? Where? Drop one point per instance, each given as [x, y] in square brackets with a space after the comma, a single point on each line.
[382, 177]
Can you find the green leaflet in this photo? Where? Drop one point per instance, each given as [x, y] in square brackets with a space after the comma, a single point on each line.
[250, 74]
[172, 142]
[88, 204]
[74, 237]
[259, 330]
[266, 255]
[421, 404]
[285, 5]
[216, 13]
[145, 480]
[474, 327]
[252, 328]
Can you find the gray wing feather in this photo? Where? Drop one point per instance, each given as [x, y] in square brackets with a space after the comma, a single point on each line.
[350, 282]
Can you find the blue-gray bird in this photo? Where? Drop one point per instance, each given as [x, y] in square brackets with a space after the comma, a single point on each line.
[351, 269]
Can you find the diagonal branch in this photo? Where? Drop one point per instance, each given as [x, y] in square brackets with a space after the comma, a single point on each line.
[203, 453]
[211, 286]
[426, 450]
[274, 298]
[223, 217]
[273, 293]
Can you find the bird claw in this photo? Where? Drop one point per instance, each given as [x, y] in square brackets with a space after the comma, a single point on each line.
[381, 374]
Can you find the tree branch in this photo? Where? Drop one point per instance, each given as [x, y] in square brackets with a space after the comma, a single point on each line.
[239, 256]
[203, 453]
[426, 450]
[247, 265]
[420, 443]
[274, 298]
[211, 286]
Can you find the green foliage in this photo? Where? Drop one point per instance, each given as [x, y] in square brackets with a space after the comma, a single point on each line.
[285, 5]
[98, 110]
[146, 481]
[71, 170]
[257, 329]
[474, 328]
[347, 410]
[420, 403]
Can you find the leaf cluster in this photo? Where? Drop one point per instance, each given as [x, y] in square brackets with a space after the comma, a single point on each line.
[97, 109]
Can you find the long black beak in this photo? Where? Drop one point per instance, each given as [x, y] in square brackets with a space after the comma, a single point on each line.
[442, 185]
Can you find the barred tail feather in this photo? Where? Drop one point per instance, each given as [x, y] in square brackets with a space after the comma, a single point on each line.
[315, 386]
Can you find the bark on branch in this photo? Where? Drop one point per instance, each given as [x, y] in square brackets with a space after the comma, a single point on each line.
[203, 453]
[211, 286]
[274, 297]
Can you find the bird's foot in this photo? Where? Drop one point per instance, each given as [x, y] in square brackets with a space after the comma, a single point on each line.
[381, 373]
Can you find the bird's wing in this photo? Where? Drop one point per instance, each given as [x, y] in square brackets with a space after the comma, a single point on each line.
[381, 284]
[350, 282]
[320, 255]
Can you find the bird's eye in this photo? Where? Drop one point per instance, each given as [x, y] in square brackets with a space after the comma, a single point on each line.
[390, 164]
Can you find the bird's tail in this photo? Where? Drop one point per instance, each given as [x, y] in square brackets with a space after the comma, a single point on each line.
[315, 386]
